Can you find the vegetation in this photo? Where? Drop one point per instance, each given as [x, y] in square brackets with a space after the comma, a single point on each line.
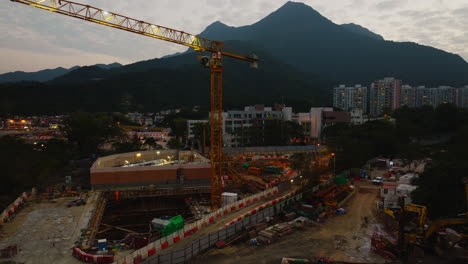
[439, 134]
[87, 131]
[29, 165]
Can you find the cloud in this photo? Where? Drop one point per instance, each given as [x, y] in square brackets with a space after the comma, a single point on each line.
[45, 35]
[389, 5]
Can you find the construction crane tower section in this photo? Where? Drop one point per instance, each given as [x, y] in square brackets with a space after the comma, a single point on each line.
[215, 63]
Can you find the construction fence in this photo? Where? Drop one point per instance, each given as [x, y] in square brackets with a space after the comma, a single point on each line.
[13, 208]
[160, 245]
[185, 254]
[152, 253]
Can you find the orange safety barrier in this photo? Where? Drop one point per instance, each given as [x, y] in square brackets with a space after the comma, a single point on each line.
[79, 254]
[164, 245]
[151, 252]
[137, 259]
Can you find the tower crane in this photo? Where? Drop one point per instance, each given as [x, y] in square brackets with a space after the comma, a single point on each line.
[198, 43]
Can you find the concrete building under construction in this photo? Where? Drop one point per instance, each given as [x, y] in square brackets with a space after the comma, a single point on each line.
[160, 168]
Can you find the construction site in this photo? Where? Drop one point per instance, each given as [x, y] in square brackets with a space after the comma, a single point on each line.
[245, 205]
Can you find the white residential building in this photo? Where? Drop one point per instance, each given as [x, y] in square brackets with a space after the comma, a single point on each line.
[191, 126]
[312, 121]
[350, 98]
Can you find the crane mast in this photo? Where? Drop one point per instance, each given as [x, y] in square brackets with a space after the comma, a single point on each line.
[198, 43]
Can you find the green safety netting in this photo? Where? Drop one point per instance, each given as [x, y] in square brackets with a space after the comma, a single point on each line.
[341, 180]
[175, 223]
[246, 165]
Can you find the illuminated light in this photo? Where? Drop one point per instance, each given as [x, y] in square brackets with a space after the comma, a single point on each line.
[11, 121]
[109, 17]
[138, 155]
[35, 143]
[333, 154]
[42, 145]
[300, 176]
[126, 162]
[158, 152]
[23, 121]
[292, 181]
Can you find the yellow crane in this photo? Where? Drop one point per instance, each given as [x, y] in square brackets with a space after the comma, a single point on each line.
[214, 62]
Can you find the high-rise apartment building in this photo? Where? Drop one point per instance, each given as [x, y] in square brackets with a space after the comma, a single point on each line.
[350, 98]
[384, 94]
[419, 96]
[462, 97]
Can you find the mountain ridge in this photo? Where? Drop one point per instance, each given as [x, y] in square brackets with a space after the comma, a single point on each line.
[47, 74]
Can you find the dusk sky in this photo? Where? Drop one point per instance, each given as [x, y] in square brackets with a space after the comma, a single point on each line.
[34, 39]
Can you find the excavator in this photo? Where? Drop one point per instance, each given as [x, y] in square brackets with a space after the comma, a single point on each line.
[414, 230]
[415, 233]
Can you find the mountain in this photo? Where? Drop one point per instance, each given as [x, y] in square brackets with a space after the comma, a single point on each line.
[302, 56]
[168, 83]
[300, 36]
[46, 75]
[362, 31]
[39, 76]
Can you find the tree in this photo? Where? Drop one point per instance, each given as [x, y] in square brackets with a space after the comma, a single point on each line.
[173, 143]
[201, 134]
[179, 128]
[134, 144]
[150, 142]
[88, 131]
[441, 186]
[24, 166]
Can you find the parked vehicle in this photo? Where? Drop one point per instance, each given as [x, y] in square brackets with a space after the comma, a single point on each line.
[378, 181]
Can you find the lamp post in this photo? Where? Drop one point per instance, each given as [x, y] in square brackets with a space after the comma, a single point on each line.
[334, 164]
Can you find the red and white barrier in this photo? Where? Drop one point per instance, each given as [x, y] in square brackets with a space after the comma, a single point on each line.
[13, 207]
[259, 208]
[189, 229]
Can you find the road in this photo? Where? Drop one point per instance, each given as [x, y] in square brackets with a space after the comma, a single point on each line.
[343, 238]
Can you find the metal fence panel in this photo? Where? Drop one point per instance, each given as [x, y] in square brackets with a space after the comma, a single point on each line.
[213, 238]
[178, 256]
[231, 230]
[204, 243]
[165, 258]
[196, 247]
[188, 252]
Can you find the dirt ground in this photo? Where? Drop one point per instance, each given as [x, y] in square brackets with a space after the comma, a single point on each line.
[46, 231]
[342, 238]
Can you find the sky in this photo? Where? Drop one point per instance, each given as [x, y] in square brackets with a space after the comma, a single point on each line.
[33, 39]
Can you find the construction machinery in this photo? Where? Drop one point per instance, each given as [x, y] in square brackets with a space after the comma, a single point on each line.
[415, 233]
[413, 223]
[198, 43]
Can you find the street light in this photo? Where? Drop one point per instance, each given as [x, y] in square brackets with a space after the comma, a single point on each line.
[334, 164]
